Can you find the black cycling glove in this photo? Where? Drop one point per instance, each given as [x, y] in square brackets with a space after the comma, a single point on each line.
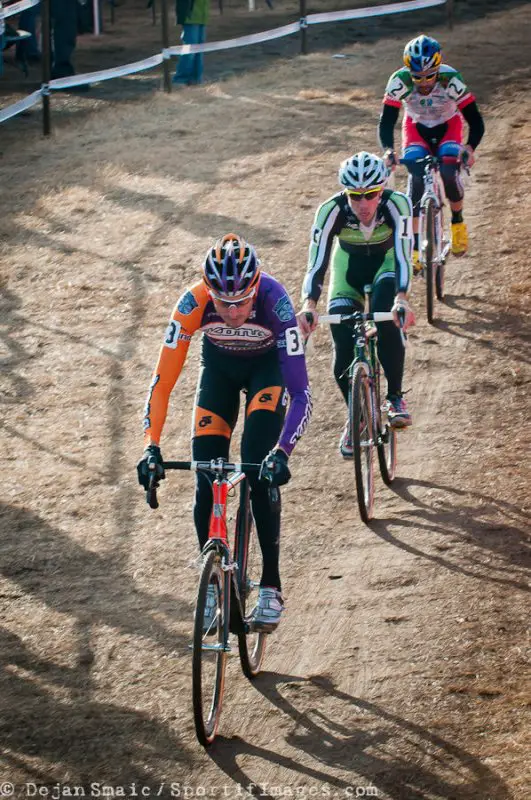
[151, 455]
[275, 468]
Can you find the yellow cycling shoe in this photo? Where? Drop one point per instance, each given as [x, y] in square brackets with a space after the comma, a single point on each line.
[459, 238]
[415, 260]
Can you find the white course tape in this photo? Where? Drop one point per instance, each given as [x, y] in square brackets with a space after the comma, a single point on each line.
[16, 8]
[227, 44]
[105, 74]
[242, 41]
[375, 11]
[22, 105]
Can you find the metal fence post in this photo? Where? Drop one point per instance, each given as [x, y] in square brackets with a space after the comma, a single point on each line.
[450, 13]
[46, 66]
[304, 38]
[165, 44]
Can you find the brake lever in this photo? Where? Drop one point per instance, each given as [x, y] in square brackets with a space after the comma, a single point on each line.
[401, 313]
[151, 491]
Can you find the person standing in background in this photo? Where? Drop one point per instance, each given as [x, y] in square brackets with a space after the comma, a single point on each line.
[193, 16]
[64, 33]
[29, 49]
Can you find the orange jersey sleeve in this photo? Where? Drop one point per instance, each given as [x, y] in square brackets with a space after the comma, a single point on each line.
[185, 321]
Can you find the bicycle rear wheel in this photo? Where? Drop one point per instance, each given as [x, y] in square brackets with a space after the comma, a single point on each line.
[209, 654]
[251, 644]
[429, 255]
[387, 439]
[362, 428]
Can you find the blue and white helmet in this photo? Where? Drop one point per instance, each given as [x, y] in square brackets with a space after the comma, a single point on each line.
[422, 54]
[231, 268]
[363, 171]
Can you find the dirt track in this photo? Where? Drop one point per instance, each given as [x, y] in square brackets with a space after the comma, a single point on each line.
[399, 670]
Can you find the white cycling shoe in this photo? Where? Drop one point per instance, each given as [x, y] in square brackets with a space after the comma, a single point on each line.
[266, 614]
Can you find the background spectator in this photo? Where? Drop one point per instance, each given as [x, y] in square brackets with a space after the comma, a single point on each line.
[193, 16]
[64, 30]
[28, 49]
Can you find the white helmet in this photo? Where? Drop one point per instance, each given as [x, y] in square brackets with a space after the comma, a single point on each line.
[363, 171]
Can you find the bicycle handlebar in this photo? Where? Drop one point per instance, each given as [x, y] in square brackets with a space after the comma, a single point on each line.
[357, 316]
[217, 467]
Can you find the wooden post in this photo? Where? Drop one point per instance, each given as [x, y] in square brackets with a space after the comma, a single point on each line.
[450, 13]
[46, 65]
[304, 39]
[165, 44]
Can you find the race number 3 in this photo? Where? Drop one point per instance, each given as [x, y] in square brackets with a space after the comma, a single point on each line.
[171, 337]
[294, 343]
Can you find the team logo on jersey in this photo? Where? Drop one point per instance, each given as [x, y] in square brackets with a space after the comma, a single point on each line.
[187, 303]
[284, 309]
[224, 333]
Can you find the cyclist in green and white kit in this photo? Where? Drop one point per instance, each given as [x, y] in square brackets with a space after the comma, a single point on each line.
[365, 233]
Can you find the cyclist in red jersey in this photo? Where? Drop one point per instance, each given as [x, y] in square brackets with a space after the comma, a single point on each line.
[436, 100]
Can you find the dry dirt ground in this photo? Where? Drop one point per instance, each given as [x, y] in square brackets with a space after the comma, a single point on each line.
[400, 668]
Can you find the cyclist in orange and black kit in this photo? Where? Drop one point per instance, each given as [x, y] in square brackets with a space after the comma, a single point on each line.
[251, 342]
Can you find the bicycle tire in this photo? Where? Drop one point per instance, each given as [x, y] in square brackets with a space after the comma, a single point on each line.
[440, 271]
[430, 247]
[387, 438]
[206, 724]
[362, 429]
[251, 644]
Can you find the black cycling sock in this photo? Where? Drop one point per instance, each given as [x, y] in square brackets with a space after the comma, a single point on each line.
[457, 216]
[415, 241]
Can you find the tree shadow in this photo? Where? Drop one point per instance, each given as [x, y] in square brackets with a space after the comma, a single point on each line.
[93, 589]
[398, 758]
[461, 516]
[15, 387]
[483, 324]
[47, 715]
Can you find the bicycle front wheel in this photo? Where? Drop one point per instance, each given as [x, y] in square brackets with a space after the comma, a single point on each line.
[387, 440]
[439, 272]
[429, 258]
[251, 644]
[362, 429]
[209, 648]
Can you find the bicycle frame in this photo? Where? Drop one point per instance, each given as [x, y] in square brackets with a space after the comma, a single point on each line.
[432, 195]
[368, 429]
[218, 540]
[226, 477]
